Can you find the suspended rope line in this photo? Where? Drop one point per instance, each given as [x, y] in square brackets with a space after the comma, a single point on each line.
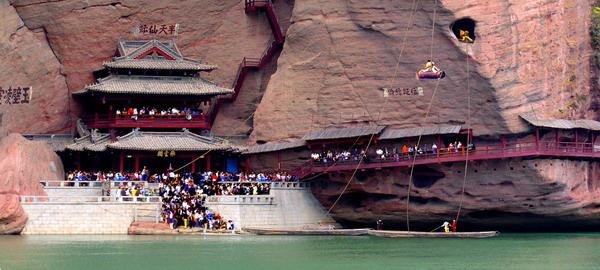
[433, 29]
[333, 164]
[362, 157]
[412, 12]
[194, 160]
[462, 193]
[412, 167]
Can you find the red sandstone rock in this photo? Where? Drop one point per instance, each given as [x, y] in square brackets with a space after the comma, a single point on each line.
[528, 55]
[83, 34]
[539, 194]
[23, 164]
[27, 60]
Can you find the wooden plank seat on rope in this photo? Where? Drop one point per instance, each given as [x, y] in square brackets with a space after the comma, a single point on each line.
[430, 71]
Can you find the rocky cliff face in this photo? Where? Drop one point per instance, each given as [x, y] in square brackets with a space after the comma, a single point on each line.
[24, 164]
[536, 195]
[55, 46]
[528, 55]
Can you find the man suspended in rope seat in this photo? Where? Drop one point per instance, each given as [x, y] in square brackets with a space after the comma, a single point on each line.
[465, 36]
[430, 71]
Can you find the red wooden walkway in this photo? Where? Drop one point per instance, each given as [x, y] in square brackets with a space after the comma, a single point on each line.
[249, 63]
[484, 152]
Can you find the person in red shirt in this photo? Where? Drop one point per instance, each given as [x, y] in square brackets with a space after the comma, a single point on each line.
[454, 225]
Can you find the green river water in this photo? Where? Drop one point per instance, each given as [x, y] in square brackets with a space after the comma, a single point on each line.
[508, 251]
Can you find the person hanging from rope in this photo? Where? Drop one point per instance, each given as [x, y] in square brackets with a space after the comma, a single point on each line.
[465, 36]
[430, 71]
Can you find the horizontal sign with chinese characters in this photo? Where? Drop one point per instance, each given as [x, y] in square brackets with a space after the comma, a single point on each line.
[165, 153]
[158, 29]
[415, 91]
[18, 95]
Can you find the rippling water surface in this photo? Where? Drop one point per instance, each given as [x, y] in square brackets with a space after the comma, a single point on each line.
[508, 251]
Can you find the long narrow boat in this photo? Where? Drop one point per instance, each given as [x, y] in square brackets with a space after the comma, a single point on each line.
[407, 234]
[302, 231]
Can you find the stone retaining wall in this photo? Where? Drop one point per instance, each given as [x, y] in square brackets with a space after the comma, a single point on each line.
[288, 205]
[83, 218]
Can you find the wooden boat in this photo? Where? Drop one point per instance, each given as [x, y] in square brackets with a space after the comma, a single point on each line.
[305, 231]
[407, 234]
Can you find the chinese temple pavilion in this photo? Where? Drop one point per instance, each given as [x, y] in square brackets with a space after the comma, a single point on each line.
[149, 111]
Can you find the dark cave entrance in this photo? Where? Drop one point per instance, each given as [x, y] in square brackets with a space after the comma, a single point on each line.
[467, 24]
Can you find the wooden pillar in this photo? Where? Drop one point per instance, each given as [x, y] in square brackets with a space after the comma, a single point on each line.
[78, 163]
[110, 112]
[121, 162]
[207, 157]
[247, 165]
[137, 162]
[576, 140]
[278, 160]
[193, 164]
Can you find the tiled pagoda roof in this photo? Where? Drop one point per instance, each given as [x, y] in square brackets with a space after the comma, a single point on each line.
[132, 54]
[155, 85]
[183, 64]
[177, 141]
[91, 142]
[153, 141]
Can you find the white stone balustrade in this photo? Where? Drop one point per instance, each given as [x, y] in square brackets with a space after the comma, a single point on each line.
[88, 199]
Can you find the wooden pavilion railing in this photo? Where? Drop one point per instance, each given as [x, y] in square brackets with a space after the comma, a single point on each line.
[147, 121]
[480, 152]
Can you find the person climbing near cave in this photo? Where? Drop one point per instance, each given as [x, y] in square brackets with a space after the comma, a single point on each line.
[464, 36]
[446, 226]
[454, 225]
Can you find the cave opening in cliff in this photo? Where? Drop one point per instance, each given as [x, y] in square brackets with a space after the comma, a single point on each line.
[425, 177]
[464, 24]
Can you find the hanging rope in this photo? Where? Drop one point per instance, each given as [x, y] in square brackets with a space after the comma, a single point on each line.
[362, 157]
[412, 12]
[433, 30]
[412, 167]
[462, 193]
[194, 160]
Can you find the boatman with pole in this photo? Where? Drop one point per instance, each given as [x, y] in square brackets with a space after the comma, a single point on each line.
[446, 226]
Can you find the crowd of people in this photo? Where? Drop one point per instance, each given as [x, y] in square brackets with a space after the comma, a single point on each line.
[144, 175]
[183, 201]
[134, 112]
[392, 152]
[183, 195]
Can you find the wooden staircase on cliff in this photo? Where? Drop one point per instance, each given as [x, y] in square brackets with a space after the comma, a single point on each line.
[251, 63]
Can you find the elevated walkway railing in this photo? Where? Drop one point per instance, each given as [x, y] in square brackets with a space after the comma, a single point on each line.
[89, 199]
[91, 184]
[290, 185]
[241, 199]
[109, 121]
[480, 152]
